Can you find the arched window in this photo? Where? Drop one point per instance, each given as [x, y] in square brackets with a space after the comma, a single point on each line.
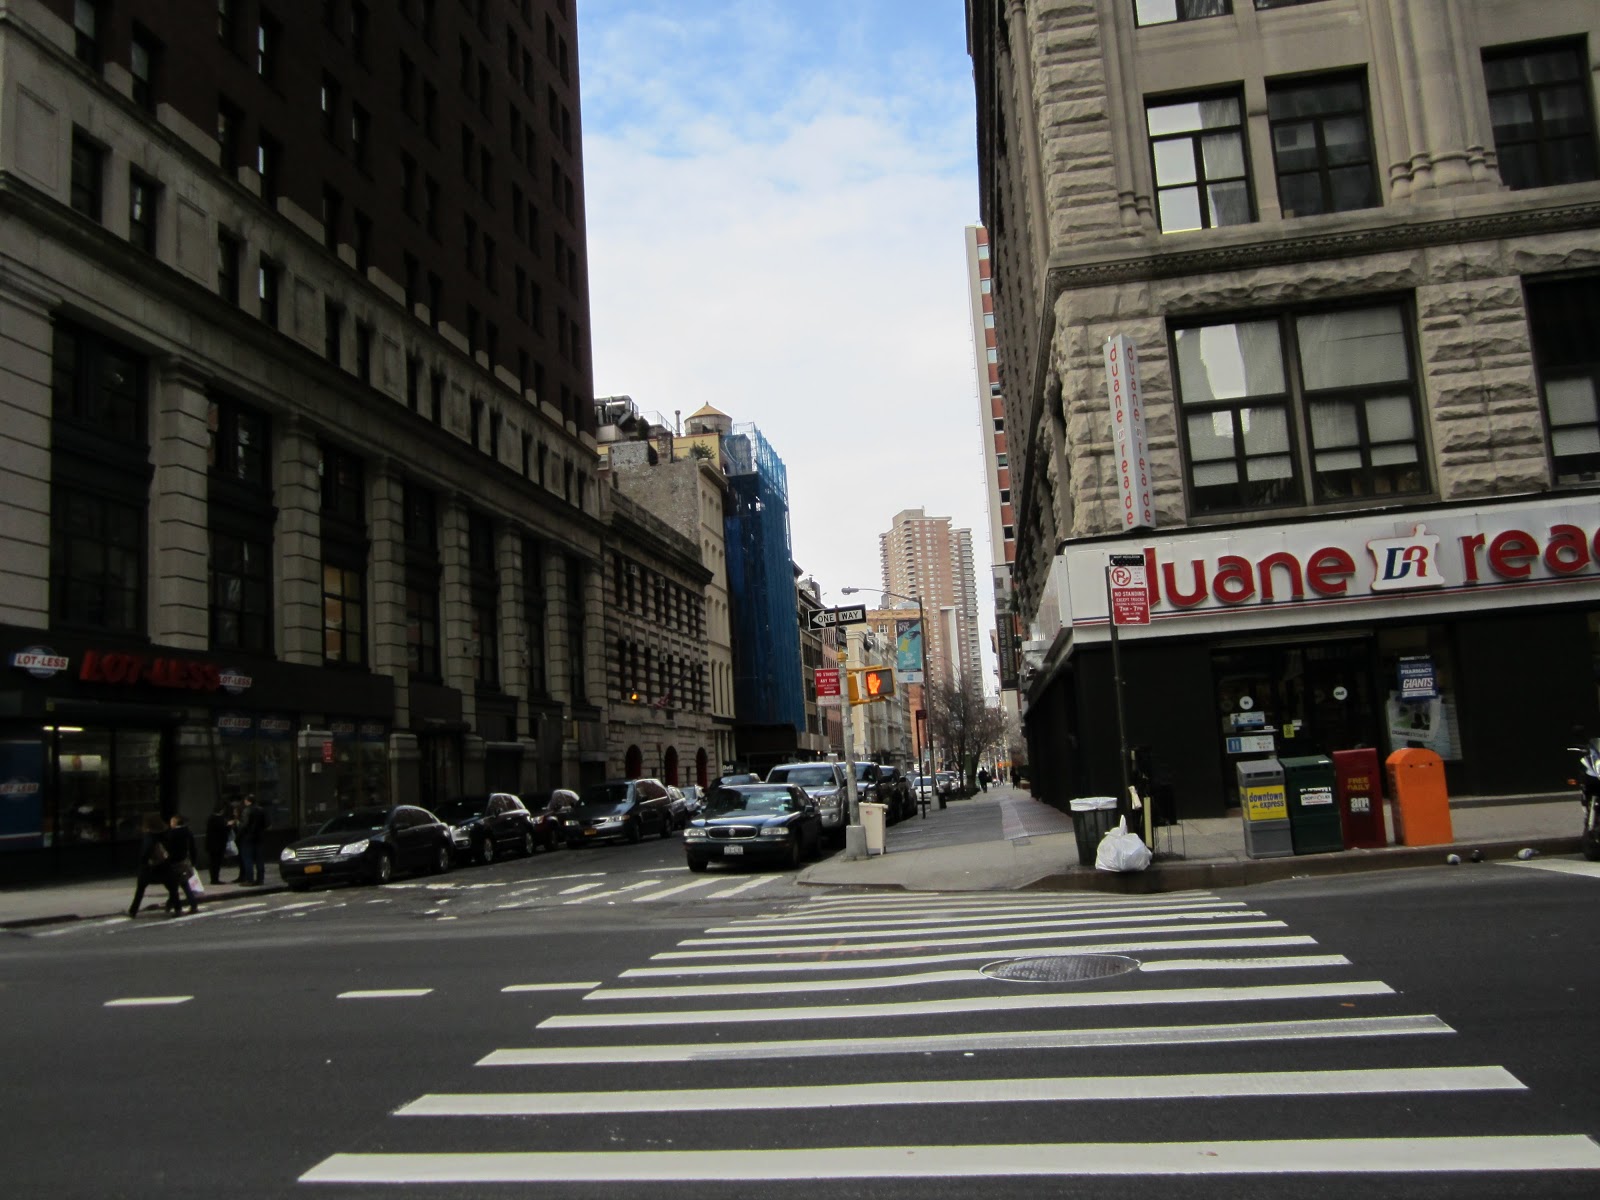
[669, 766]
[701, 768]
[634, 764]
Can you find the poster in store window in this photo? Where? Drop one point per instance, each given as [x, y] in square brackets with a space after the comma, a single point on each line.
[21, 795]
[1430, 724]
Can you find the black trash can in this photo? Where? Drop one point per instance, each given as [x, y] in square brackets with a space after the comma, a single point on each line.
[1092, 818]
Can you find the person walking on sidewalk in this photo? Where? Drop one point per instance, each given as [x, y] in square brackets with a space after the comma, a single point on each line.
[252, 825]
[181, 852]
[218, 830]
[155, 864]
[983, 778]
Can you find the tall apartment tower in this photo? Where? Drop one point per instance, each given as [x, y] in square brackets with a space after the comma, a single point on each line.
[996, 461]
[1297, 304]
[923, 557]
[296, 411]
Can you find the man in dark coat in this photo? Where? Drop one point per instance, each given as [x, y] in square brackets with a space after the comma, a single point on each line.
[217, 830]
[252, 825]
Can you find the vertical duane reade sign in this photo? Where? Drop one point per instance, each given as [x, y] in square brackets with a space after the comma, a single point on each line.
[1127, 428]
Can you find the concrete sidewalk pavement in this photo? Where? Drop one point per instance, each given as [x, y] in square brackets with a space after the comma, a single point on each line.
[1038, 851]
[90, 899]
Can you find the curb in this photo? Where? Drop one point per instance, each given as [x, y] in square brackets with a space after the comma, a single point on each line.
[1178, 876]
[67, 918]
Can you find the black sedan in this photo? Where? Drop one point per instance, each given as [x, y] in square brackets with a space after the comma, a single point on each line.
[755, 822]
[483, 828]
[368, 845]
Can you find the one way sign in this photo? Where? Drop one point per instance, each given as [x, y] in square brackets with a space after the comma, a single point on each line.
[822, 618]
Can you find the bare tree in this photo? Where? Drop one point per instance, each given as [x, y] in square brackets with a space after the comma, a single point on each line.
[965, 727]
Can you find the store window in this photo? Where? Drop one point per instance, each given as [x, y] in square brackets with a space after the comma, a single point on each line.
[102, 782]
[1202, 175]
[1417, 680]
[255, 756]
[1543, 116]
[1322, 145]
[1334, 389]
[1563, 316]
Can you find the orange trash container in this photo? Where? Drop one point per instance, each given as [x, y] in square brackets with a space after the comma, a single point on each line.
[1418, 802]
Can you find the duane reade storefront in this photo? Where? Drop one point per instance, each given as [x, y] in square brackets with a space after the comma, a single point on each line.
[1471, 630]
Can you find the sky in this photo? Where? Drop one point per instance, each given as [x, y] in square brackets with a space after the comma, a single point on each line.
[776, 192]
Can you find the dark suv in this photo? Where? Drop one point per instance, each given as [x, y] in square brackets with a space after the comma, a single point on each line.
[622, 810]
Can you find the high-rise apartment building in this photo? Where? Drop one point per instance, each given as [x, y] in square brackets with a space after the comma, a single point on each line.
[996, 462]
[300, 491]
[1297, 305]
[924, 558]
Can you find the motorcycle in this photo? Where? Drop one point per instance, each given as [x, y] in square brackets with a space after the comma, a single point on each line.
[1589, 796]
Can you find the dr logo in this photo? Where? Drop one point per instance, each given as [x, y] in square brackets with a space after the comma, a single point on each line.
[1403, 564]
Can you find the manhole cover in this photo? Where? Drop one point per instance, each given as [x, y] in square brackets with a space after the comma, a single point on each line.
[1064, 968]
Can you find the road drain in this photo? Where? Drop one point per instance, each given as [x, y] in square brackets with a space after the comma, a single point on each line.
[1063, 968]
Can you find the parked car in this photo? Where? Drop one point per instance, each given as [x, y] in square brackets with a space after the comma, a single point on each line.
[824, 782]
[482, 828]
[368, 845]
[894, 789]
[868, 775]
[947, 783]
[755, 822]
[695, 797]
[683, 809]
[621, 810]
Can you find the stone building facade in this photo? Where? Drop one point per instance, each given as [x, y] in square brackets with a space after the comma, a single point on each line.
[299, 500]
[1354, 249]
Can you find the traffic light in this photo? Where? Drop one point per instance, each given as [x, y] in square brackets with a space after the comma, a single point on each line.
[871, 683]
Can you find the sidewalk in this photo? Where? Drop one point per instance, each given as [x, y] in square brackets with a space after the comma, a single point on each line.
[1038, 851]
[87, 899]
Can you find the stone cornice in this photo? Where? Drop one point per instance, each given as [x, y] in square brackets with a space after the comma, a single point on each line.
[1344, 243]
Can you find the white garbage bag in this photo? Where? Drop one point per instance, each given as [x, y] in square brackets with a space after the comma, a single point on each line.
[1121, 850]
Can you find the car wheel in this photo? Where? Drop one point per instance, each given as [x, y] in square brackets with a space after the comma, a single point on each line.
[486, 849]
[667, 827]
[552, 842]
[528, 844]
[441, 858]
[697, 865]
[792, 859]
[635, 835]
[383, 869]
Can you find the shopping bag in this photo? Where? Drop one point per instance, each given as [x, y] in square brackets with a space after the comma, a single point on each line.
[196, 887]
[230, 852]
[1121, 850]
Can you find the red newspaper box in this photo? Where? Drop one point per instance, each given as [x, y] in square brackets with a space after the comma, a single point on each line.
[1358, 784]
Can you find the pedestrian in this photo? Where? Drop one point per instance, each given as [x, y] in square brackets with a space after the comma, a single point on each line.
[180, 861]
[218, 830]
[252, 825]
[154, 864]
[983, 778]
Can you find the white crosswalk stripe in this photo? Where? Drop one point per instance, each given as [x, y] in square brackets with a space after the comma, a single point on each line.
[1561, 866]
[804, 971]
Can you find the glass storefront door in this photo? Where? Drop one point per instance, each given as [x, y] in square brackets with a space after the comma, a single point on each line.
[100, 783]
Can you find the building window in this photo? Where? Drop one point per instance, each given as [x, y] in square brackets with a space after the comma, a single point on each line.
[343, 613]
[361, 226]
[364, 352]
[144, 60]
[88, 183]
[267, 39]
[1202, 177]
[1322, 145]
[422, 629]
[1540, 105]
[413, 383]
[343, 487]
[358, 31]
[96, 559]
[237, 441]
[143, 201]
[1336, 389]
[332, 208]
[241, 593]
[98, 386]
[1563, 316]
[330, 108]
[408, 185]
[226, 24]
[344, 554]
[484, 588]
[86, 32]
[268, 284]
[1164, 12]
[268, 166]
[360, 136]
[229, 121]
[436, 397]
[229, 252]
[332, 327]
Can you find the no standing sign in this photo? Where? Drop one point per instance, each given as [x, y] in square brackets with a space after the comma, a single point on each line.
[1130, 599]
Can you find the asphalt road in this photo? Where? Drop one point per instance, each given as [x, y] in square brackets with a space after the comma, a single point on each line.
[499, 1032]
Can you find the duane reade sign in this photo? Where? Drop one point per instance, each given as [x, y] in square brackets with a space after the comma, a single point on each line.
[1127, 429]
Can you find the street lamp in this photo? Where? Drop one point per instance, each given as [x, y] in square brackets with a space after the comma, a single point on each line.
[922, 621]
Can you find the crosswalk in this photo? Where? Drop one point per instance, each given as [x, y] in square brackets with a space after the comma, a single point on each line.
[852, 1036]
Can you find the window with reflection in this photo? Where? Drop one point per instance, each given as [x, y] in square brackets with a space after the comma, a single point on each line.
[1303, 408]
[1564, 316]
[1540, 104]
[1322, 145]
[1165, 12]
[1202, 177]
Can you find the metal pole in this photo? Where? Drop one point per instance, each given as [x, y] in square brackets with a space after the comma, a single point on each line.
[1116, 676]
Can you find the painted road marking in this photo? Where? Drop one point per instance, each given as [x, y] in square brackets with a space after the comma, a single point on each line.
[1000, 927]
[580, 887]
[970, 1091]
[673, 891]
[987, 954]
[244, 910]
[1338, 1156]
[748, 885]
[1038, 1039]
[577, 875]
[880, 922]
[147, 1001]
[916, 900]
[77, 926]
[551, 987]
[1282, 962]
[932, 943]
[1564, 866]
[631, 887]
[977, 1004]
[384, 993]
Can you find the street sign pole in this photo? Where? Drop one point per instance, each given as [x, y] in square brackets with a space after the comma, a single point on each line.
[1116, 677]
[855, 837]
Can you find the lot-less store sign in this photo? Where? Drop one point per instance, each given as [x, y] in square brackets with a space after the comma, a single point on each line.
[1437, 552]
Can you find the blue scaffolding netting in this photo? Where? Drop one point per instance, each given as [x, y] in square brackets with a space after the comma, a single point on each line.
[766, 623]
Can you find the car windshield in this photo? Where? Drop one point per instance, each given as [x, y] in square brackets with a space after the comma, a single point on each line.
[457, 811]
[361, 820]
[728, 801]
[818, 776]
[861, 771]
[604, 795]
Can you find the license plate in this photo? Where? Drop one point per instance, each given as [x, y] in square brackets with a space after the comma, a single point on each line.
[733, 849]
[590, 832]
[314, 870]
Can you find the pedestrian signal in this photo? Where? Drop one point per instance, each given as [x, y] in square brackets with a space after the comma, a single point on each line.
[873, 683]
